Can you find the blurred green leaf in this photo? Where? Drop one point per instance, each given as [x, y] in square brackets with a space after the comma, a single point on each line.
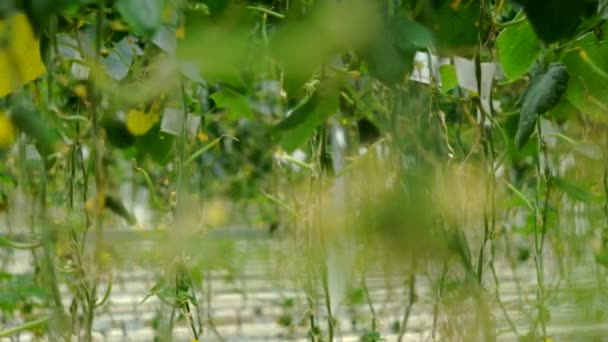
[304, 120]
[144, 16]
[518, 49]
[19, 289]
[574, 191]
[302, 46]
[219, 46]
[391, 54]
[588, 86]
[601, 257]
[40, 11]
[235, 104]
[156, 144]
[449, 79]
[117, 132]
[456, 25]
[28, 119]
[554, 20]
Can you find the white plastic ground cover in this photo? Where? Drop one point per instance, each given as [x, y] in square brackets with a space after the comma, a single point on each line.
[465, 73]
[422, 71]
[68, 48]
[171, 122]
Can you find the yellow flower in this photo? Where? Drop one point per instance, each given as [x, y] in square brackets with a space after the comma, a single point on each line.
[8, 133]
[216, 213]
[180, 33]
[202, 137]
[20, 60]
[81, 91]
[139, 122]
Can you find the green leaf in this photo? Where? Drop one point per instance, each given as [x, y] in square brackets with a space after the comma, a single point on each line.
[391, 54]
[574, 191]
[543, 93]
[304, 119]
[27, 119]
[388, 64]
[588, 86]
[218, 47]
[601, 256]
[236, 104]
[7, 179]
[156, 144]
[518, 49]
[554, 20]
[158, 287]
[117, 132]
[409, 35]
[144, 16]
[563, 111]
[449, 78]
[40, 11]
[455, 26]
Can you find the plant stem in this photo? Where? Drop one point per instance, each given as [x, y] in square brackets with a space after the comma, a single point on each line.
[209, 310]
[437, 299]
[330, 317]
[181, 148]
[539, 234]
[411, 300]
[369, 302]
[98, 167]
[25, 327]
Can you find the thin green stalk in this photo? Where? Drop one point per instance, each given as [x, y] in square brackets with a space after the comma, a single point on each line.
[98, 167]
[444, 272]
[52, 53]
[324, 278]
[48, 259]
[330, 317]
[411, 300]
[539, 236]
[197, 305]
[501, 305]
[369, 302]
[5, 242]
[605, 184]
[208, 294]
[311, 312]
[267, 11]
[206, 148]
[35, 324]
[107, 293]
[181, 148]
[150, 184]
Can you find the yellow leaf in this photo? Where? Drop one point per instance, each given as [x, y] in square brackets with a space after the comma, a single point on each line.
[139, 122]
[20, 61]
[8, 133]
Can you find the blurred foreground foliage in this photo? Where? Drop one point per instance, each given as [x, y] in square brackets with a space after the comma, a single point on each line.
[421, 136]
